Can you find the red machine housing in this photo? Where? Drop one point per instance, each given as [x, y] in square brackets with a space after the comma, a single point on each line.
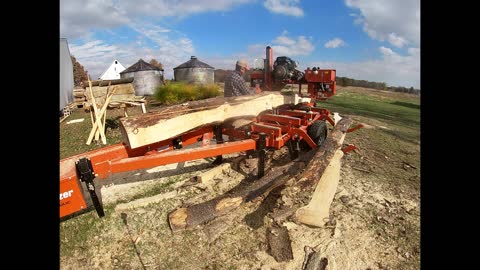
[321, 83]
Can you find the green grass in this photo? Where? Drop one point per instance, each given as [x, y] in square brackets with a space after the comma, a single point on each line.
[403, 114]
[73, 137]
[178, 92]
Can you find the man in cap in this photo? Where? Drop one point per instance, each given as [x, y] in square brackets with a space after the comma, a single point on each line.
[235, 85]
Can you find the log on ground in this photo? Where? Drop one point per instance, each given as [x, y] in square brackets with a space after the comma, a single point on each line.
[309, 167]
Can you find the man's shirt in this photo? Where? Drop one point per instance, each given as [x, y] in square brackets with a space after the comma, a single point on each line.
[235, 85]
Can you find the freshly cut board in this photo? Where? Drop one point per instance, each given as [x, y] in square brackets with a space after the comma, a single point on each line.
[152, 127]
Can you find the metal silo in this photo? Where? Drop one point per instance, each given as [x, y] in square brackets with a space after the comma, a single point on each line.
[145, 77]
[194, 71]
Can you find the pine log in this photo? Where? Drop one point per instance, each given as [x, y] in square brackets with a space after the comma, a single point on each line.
[153, 127]
[309, 167]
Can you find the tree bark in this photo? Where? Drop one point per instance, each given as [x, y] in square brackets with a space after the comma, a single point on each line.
[309, 167]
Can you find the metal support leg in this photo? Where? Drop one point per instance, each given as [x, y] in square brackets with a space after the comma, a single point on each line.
[217, 129]
[85, 171]
[262, 152]
[293, 148]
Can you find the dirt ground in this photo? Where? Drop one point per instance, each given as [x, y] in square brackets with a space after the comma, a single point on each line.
[374, 222]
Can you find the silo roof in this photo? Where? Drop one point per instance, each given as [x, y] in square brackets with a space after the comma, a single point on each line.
[140, 66]
[194, 63]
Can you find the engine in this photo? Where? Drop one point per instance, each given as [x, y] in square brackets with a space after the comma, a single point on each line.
[284, 69]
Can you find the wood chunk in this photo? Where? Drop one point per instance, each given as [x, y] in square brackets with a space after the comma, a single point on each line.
[279, 245]
[316, 262]
[317, 212]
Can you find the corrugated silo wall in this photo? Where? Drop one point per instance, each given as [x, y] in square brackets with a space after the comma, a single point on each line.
[145, 81]
[194, 75]
[66, 76]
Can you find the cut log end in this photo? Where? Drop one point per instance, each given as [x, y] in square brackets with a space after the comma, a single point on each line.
[178, 219]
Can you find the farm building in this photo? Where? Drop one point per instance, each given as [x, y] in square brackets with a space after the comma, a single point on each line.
[66, 75]
[194, 71]
[146, 77]
[113, 71]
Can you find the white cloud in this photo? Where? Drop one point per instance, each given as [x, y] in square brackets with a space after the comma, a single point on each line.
[335, 43]
[77, 17]
[170, 49]
[393, 69]
[80, 17]
[281, 45]
[284, 45]
[285, 7]
[178, 8]
[396, 40]
[397, 21]
[284, 40]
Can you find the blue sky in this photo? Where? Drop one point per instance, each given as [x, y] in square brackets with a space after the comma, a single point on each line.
[376, 40]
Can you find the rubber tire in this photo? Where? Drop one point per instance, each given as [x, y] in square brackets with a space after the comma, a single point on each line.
[318, 132]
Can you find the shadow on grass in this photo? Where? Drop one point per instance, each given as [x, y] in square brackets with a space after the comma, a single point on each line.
[404, 136]
[406, 104]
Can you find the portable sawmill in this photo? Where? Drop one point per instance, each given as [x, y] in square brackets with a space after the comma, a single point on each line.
[298, 125]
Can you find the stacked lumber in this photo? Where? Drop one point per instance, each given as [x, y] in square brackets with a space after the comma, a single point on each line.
[123, 92]
[108, 82]
[79, 96]
[123, 97]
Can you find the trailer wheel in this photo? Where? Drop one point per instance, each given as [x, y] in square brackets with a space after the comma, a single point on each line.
[318, 132]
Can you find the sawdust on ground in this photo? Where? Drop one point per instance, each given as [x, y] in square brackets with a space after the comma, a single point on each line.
[375, 219]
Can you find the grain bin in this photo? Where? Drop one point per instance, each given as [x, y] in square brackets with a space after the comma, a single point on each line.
[194, 71]
[145, 77]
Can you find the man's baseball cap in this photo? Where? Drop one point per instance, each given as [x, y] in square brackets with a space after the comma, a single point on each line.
[243, 63]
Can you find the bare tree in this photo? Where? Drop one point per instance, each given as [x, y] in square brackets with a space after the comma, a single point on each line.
[79, 72]
[155, 63]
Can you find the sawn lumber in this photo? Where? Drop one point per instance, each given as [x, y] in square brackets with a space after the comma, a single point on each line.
[152, 127]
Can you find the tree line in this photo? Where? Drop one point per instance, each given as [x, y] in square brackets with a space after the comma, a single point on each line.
[220, 74]
[344, 81]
